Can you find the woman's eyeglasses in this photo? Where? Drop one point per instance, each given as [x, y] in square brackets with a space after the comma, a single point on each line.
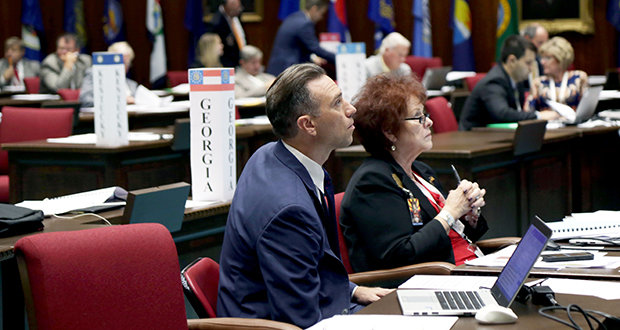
[421, 119]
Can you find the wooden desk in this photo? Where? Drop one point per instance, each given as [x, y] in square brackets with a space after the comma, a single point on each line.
[528, 313]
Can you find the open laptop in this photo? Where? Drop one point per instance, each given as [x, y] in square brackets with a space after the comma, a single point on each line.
[529, 136]
[435, 78]
[163, 204]
[503, 293]
[585, 108]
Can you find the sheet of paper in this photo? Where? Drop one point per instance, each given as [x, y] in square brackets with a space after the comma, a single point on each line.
[180, 89]
[258, 120]
[385, 322]
[250, 101]
[439, 282]
[144, 96]
[36, 97]
[91, 138]
[456, 75]
[563, 109]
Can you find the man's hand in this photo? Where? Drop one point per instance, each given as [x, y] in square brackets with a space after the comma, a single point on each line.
[366, 295]
[8, 73]
[69, 59]
[548, 115]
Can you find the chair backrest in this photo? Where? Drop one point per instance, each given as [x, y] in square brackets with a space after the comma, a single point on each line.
[442, 115]
[200, 284]
[176, 78]
[68, 94]
[32, 84]
[28, 124]
[118, 277]
[419, 64]
[473, 80]
[344, 250]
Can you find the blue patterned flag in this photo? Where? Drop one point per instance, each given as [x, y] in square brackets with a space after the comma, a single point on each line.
[113, 26]
[288, 7]
[381, 12]
[613, 16]
[155, 25]
[337, 20]
[507, 23]
[74, 21]
[194, 24]
[32, 29]
[422, 36]
[462, 50]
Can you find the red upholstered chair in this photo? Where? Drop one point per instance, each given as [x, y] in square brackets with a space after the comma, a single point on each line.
[200, 284]
[419, 64]
[27, 124]
[472, 81]
[176, 78]
[32, 84]
[442, 115]
[118, 277]
[68, 94]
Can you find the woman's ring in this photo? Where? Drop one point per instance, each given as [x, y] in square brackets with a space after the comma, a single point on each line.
[478, 211]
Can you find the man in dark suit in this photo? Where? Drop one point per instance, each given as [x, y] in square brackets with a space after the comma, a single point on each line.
[296, 39]
[226, 24]
[280, 257]
[499, 96]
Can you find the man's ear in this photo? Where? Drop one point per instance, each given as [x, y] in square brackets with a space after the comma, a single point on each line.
[306, 124]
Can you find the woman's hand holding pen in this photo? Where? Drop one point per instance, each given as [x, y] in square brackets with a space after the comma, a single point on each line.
[466, 200]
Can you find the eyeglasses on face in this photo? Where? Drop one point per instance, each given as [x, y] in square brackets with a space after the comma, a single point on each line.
[421, 119]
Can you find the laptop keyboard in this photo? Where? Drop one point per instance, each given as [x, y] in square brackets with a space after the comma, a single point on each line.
[459, 300]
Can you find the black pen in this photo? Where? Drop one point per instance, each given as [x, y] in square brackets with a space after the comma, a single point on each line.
[456, 175]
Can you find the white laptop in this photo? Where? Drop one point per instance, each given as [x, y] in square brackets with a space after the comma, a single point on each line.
[435, 78]
[585, 108]
[503, 293]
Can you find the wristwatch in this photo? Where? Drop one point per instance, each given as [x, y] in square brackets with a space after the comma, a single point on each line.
[448, 217]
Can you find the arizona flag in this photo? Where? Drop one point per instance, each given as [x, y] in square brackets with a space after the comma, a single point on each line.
[422, 36]
[462, 50]
[382, 13]
[155, 25]
[337, 20]
[32, 28]
[74, 21]
[113, 29]
[507, 23]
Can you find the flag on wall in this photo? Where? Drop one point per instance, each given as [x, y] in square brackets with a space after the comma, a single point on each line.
[462, 50]
[288, 7]
[382, 13]
[74, 21]
[113, 27]
[422, 33]
[155, 25]
[613, 16]
[32, 28]
[507, 23]
[194, 24]
[337, 20]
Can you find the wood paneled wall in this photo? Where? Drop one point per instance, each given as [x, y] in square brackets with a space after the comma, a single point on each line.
[593, 53]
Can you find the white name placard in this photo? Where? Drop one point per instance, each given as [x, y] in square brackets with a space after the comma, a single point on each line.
[213, 139]
[111, 126]
[350, 68]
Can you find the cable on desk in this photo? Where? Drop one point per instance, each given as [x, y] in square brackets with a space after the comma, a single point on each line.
[84, 214]
[587, 314]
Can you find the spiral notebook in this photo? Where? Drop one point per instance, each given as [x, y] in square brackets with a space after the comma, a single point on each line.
[89, 201]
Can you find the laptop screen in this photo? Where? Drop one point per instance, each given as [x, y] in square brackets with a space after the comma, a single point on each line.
[519, 265]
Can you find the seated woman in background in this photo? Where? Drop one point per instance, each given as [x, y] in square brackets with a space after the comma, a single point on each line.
[394, 211]
[557, 84]
[210, 49]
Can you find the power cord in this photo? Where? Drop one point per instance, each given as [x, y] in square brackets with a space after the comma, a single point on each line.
[611, 322]
[82, 215]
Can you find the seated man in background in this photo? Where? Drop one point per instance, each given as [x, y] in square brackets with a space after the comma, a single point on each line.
[14, 67]
[391, 58]
[87, 96]
[280, 256]
[66, 67]
[499, 96]
[250, 81]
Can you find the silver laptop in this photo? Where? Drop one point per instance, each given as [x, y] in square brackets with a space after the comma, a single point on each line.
[585, 108]
[435, 78]
[503, 293]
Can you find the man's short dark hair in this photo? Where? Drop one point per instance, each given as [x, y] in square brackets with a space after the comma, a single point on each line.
[515, 45]
[318, 3]
[288, 98]
[69, 37]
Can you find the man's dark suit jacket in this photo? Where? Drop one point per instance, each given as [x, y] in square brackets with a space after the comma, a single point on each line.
[493, 101]
[276, 261]
[377, 224]
[295, 42]
[220, 25]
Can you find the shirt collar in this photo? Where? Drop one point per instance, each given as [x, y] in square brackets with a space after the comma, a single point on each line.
[314, 169]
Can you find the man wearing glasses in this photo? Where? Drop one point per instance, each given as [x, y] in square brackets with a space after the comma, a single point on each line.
[226, 24]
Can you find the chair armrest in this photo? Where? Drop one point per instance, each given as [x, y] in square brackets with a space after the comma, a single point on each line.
[400, 274]
[230, 323]
[493, 244]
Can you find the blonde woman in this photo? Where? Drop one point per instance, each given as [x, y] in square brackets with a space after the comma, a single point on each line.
[557, 84]
[210, 48]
